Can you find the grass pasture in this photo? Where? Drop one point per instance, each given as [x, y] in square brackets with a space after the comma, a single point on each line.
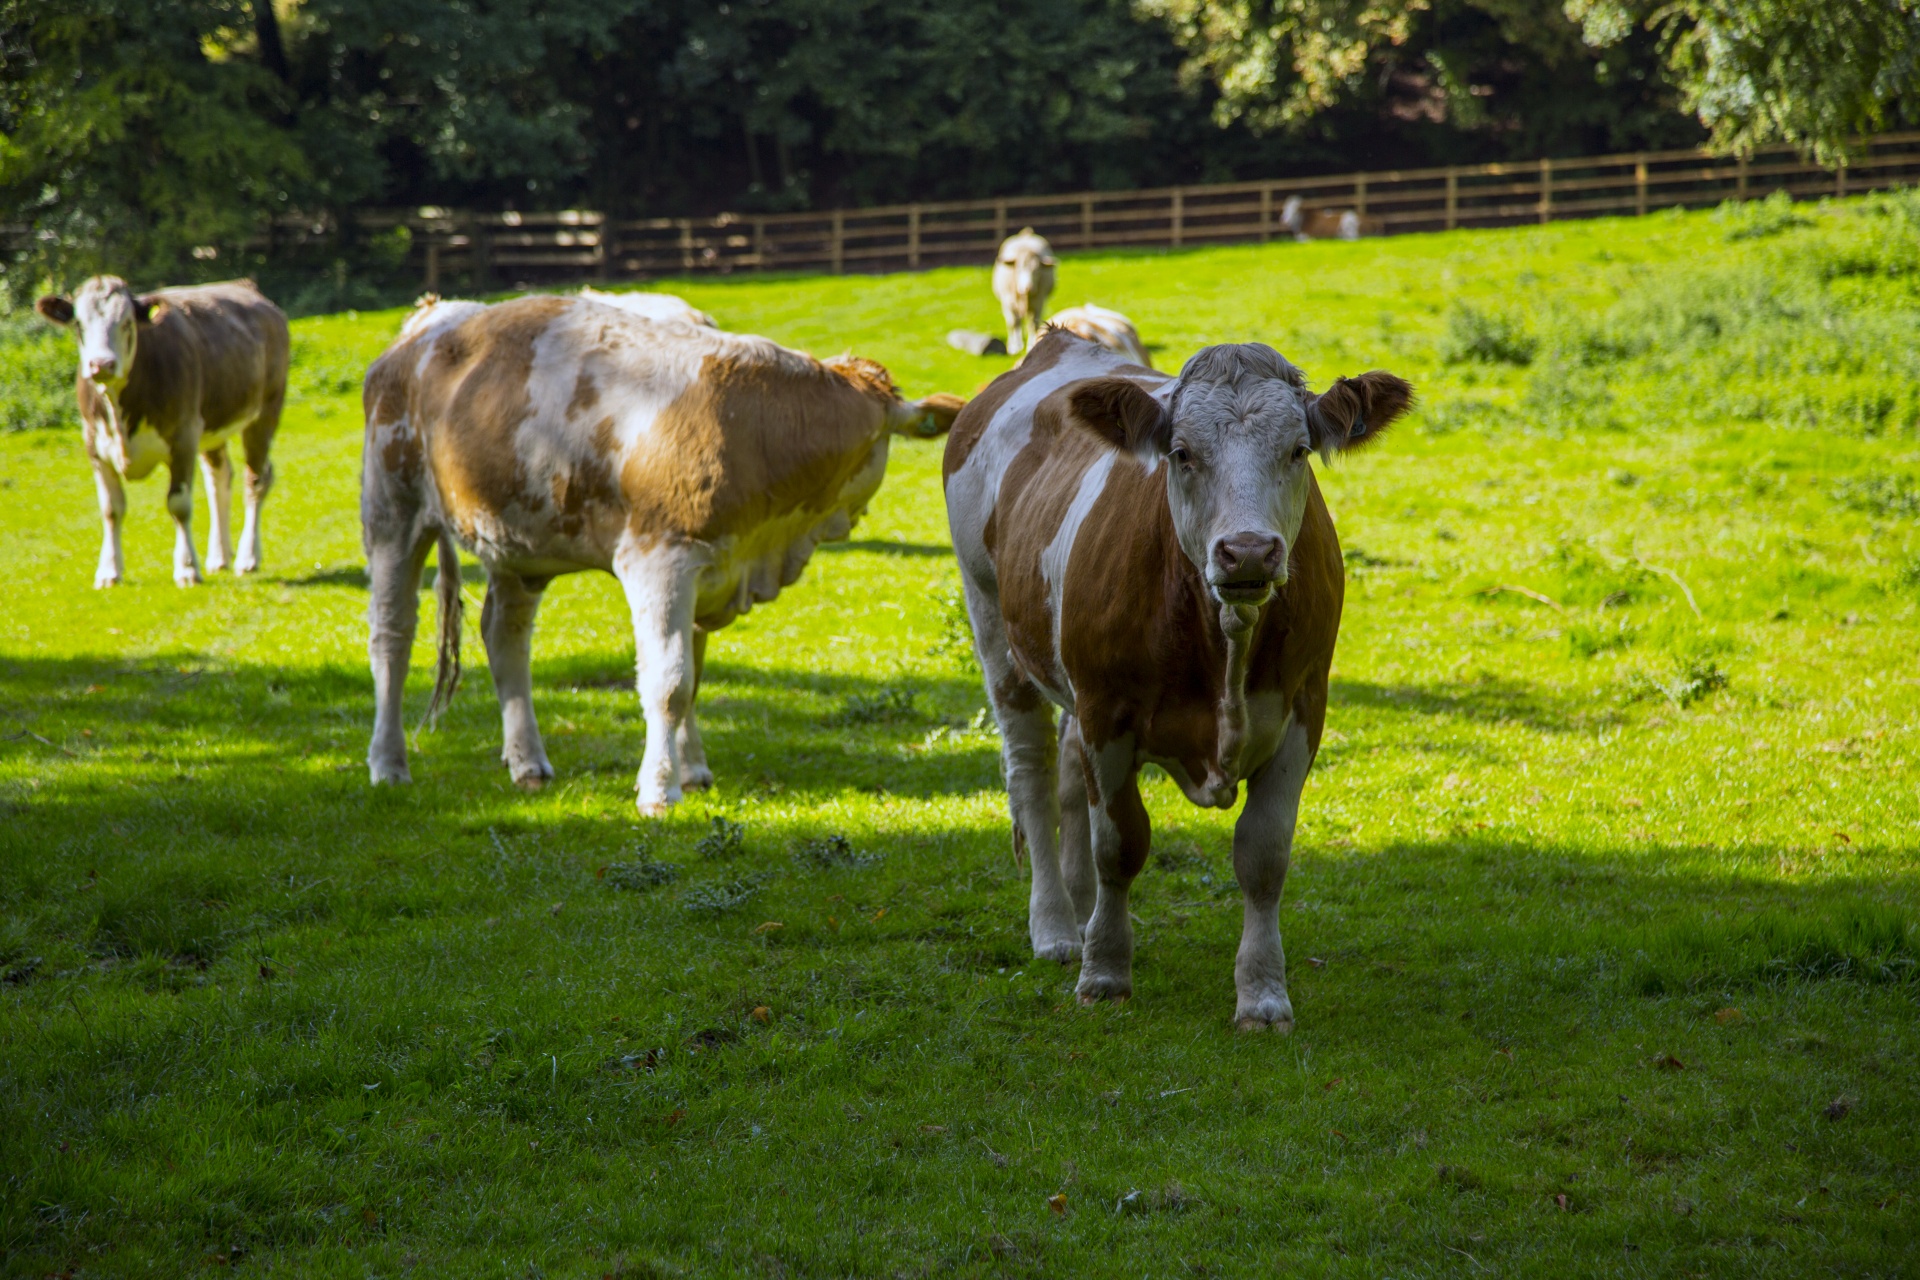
[1602, 923]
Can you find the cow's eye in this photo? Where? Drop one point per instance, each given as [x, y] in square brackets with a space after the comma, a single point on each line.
[1181, 457]
[1300, 453]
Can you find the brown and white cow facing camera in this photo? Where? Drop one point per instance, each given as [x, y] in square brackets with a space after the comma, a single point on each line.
[171, 377]
[1023, 281]
[1151, 556]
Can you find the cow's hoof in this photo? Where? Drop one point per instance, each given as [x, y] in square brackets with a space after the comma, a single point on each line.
[1057, 949]
[696, 779]
[243, 567]
[101, 581]
[387, 775]
[1094, 988]
[1267, 1014]
[186, 578]
[215, 566]
[654, 808]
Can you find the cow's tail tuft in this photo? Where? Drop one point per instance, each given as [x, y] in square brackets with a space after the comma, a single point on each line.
[446, 673]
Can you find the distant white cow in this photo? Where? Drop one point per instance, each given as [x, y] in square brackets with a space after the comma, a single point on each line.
[1326, 224]
[1108, 328]
[653, 306]
[1023, 280]
[170, 377]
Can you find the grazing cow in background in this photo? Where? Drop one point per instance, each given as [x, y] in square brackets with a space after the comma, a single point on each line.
[653, 306]
[1023, 280]
[1326, 224]
[171, 377]
[1108, 328]
[1152, 556]
[549, 435]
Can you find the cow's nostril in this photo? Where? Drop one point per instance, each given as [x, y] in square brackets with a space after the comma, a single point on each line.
[1245, 554]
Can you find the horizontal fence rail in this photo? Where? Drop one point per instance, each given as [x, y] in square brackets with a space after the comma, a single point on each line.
[489, 250]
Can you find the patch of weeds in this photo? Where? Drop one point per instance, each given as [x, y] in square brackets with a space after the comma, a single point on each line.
[1758, 219]
[723, 839]
[1563, 397]
[640, 874]
[955, 641]
[1879, 495]
[1470, 413]
[888, 705]
[1909, 575]
[1489, 337]
[717, 897]
[1698, 677]
[1360, 558]
[36, 375]
[1590, 640]
[833, 853]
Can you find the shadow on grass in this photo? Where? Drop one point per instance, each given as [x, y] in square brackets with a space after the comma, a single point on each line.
[1488, 700]
[881, 546]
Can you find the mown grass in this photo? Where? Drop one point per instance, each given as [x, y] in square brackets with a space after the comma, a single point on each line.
[1602, 917]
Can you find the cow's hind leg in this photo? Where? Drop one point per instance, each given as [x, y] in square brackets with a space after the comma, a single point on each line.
[1121, 836]
[659, 581]
[393, 613]
[255, 441]
[1262, 847]
[1076, 835]
[1027, 754]
[506, 624]
[217, 471]
[694, 773]
[186, 562]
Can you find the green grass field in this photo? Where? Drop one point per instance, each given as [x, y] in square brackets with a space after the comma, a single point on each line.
[1603, 917]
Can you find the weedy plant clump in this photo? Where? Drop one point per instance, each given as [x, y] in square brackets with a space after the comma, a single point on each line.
[833, 853]
[724, 839]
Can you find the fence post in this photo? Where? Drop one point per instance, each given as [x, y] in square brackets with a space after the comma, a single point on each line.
[1740, 179]
[686, 243]
[1266, 213]
[1840, 179]
[1546, 190]
[433, 265]
[838, 249]
[760, 254]
[1453, 197]
[1360, 194]
[481, 254]
[1086, 222]
[1177, 216]
[608, 247]
[1640, 186]
[913, 237]
[999, 222]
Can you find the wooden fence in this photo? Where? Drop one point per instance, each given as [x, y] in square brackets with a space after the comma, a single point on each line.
[481, 251]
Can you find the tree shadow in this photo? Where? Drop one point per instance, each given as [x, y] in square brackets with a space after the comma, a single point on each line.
[1486, 700]
[886, 547]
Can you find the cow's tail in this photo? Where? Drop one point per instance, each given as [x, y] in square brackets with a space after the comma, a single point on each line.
[446, 672]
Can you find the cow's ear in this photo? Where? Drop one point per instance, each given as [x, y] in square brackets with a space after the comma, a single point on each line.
[1353, 411]
[1048, 260]
[56, 308]
[148, 309]
[1121, 412]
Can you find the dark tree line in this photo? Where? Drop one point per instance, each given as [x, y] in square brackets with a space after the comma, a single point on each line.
[157, 135]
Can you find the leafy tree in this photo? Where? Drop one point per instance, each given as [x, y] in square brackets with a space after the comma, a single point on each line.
[1761, 71]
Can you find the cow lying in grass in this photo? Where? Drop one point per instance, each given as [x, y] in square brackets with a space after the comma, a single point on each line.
[170, 377]
[1108, 328]
[1152, 556]
[549, 435]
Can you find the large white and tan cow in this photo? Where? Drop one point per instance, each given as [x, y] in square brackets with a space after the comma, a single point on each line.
[1023, 281]
[549, 435]
[1107, 327]
[1151, 556]
[171, 377]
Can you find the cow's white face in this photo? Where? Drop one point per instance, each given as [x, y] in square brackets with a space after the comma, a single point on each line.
[1235, 437]
[105, 317]
[1022, 257]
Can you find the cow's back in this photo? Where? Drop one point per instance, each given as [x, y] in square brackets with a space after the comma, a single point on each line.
[227, 340]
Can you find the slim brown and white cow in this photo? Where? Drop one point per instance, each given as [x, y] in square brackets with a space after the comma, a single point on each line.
[549, 435]
[1151, 556]
[170, 377]
[1023, 281]
[1326, 224]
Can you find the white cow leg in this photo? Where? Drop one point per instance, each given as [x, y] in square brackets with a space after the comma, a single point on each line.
[1076, 833]
[506, 624]
[1262, 847]
[217, 472]
[186, 564]
[113, 513]
[1121, 837]
[252, 496]
[393, 613]
[1016, 334]
[694, 773]
[659, 582]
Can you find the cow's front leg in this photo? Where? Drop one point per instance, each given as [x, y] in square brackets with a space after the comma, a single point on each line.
[506, 624]
[113, 513]
[1076, 836]
[659, 581]
[186, 563]
[1016, 329]
[217, 472]
[1262, 846]
[259, 479]
[694, 773]
[1121, 836]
